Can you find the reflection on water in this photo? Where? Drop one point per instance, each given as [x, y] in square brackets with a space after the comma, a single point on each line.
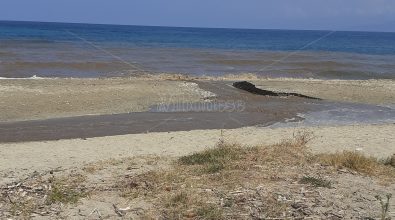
[329, 113]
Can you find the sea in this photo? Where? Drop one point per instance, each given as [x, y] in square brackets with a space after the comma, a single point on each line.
[91, 50]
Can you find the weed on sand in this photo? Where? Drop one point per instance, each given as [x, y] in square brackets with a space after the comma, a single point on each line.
[232, 181]
[358, 162]
[315, 181]
[235, 181]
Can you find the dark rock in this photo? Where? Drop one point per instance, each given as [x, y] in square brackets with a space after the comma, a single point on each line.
[249, 87]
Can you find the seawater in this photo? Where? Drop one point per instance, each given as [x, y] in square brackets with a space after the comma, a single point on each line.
[90, 50]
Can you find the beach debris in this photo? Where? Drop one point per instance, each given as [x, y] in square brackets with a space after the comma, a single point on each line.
[39, 194]
[96, 211]
[251, 88]
[117, 211]
[122, 211]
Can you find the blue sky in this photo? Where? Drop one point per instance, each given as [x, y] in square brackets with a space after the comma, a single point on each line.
[370, 15]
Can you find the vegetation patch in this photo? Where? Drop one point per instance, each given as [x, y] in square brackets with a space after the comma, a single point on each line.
[184, 191]
[316, 181]
[229, 181]
[66, 191]
[184, 204]
[41, 195]
[358, 162]
[385, 206]
[214, 160]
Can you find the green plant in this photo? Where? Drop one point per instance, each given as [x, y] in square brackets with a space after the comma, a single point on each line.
[215, 155]
[384, 206]
[66, 190]
[213, 160]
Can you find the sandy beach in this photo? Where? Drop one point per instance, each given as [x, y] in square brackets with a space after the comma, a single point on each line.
[373, 140]
[193, 110]
[102, 159]
[197, 110]
[98, 164]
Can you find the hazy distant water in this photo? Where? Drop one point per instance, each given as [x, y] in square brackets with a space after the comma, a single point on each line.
[82, 50]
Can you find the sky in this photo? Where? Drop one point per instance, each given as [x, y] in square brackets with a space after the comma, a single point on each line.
[364, 15]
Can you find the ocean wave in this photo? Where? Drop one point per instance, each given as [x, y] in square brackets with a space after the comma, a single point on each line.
[31, 77]
[57, 64]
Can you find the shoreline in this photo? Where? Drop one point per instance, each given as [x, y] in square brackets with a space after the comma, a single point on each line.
[125, 94]
[374, 139]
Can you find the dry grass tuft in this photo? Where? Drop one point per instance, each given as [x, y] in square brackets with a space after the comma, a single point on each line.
[236, 157]
[289, 151]
[66, 190]
[183, 205]
[184, 190]
[229, 181]
[23, 208]
[225, 180]
[316, 181]
[41, 195]
[357, 162]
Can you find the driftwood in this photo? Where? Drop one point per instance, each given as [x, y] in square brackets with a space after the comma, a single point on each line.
[251, 88]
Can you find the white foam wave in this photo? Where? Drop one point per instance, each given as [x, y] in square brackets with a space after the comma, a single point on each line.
[32, 77]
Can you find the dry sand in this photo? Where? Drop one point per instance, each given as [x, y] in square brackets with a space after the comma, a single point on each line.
[378, 92]
[27, 99]
[19, 159]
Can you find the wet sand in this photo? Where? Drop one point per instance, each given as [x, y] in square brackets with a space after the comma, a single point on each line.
[35, 99]
[253, 110]
[49, 98]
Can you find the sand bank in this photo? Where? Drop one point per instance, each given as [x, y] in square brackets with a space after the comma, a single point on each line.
[27, 99]
[377, 92]
[38, 98]
[374, 91]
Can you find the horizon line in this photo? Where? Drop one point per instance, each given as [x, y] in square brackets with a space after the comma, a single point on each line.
[198, 27]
